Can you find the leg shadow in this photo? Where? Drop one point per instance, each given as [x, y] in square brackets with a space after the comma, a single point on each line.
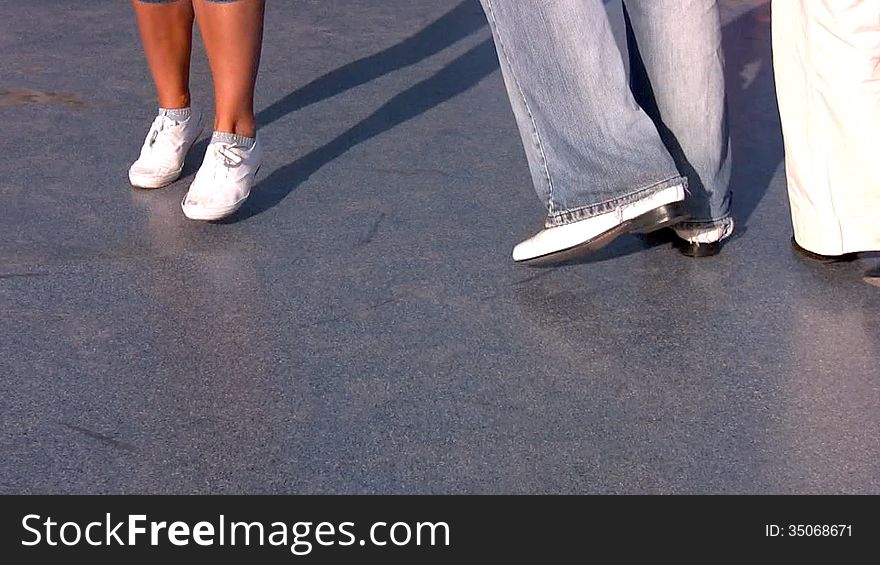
[457, 77]
[755, 127]
[195, 156]
[462, 21]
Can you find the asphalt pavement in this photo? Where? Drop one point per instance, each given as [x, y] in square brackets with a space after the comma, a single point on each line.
[359, 327]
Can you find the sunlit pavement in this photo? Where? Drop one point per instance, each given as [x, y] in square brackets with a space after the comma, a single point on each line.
[359, 326]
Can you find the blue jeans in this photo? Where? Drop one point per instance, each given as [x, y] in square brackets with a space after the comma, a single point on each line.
[591, 147]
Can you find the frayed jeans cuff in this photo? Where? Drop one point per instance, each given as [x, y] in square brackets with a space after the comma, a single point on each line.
[582, 213]
[705, 224]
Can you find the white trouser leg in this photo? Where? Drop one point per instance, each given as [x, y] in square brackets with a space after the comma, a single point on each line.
[827, 64]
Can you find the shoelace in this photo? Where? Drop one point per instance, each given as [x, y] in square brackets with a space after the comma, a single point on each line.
[229, 154]
[157, 128]
[225, 154]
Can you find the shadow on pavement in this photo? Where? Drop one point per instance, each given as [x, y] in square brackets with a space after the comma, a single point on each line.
[458, 76]
[462, 21]
[755, 128]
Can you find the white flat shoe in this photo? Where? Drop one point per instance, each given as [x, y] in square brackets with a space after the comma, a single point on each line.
[561, 243]
[224, 181]
[164, 151]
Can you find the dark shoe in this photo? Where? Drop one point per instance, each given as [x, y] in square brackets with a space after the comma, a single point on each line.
[690, 249]
[702, 241]
[826, 259]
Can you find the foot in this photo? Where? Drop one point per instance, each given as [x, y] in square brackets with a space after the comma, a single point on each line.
[561, 243]
[702, 242]
[223, 182]
[164, 150]
[819, 257]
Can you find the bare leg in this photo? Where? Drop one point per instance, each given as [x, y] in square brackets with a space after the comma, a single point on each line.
[166, 34]
[233, 35]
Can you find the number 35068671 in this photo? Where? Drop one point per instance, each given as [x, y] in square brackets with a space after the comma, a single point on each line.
[808, 530]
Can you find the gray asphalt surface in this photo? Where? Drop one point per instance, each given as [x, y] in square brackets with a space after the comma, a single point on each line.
[359, 327]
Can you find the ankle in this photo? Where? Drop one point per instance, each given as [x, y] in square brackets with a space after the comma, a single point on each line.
[175, 101]
[245, 127]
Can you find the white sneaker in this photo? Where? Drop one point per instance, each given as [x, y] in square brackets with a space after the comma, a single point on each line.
[165, 148]
[564, 242]
[223, 182]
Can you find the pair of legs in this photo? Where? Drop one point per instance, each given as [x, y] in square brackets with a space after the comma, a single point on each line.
[826, 57]
[232, 31]
[596, 144]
